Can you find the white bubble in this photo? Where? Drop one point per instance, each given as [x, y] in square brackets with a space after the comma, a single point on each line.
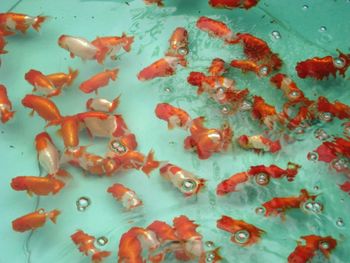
[340, 222]
[321, 134]
[305, 7]
[209, 243]
[326, 116]
[82, 203]
[102, 241]
[241, 236]
[323, 29]
[276, 34]
[182, 51]
[262, 179]
[312, 156]
[260, 210]
[188, 185]
[339, 62]
[324, 245]
[167, 89]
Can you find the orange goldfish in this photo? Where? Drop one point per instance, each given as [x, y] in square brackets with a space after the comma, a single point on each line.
[231, 4]
[288, 86]
[37, 185]
[274, 171]
[176, 117]
[86, 245]
[217, 29]
[111, 45]
[98, 81]
[78, 46]
[207, 141]
[178, 43]
[12, 22]
[186, 182]
[163, 67]
[336, 109]
[217, 67]
[128, 197]
[243, 234]
[264, 112]
[229, 185]
[103, 105]
[41, 83]
[313, 243]
[61, 80]
[34, 220]
[6, 112]
[44, 107]
[70, 131]
[279, 205]
[259, 143]
[260, 70]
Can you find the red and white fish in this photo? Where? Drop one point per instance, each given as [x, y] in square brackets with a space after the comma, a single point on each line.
[279, 205]
[264, 112]
[273, 171]
[34, 220]
[161, 68]
[243, 233]
[41, 83]
[288, 86]
[231, 4]
[61, 80]
[10, 23]
[78, 46]
[44, 107]
[175, 117]
[6, 112]
[110, 46]
[122, 144]
[304, 253]
[37, 185]
[98, 81]
[178, 43]
[216, 29]
[103, 105]
[207, 141]
[320, 68]
[86, 245]
[126, 196]
[259, 143]
[185, 181]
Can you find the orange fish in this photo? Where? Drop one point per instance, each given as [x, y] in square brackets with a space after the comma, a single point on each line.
[264, 112]
[231, 4]
[98, 104]
[86, 245]
[6, 112]
[320, 68]
[37, 185]
[185, 181]
[217, 67]
[337, 109]
[157, 2]
[122, 144]
[41, 83]
[306, 113]
[128, 197]
[288, 86]
[175, 117]
[279, 205]
[61, 80]
[98, 81]
[12, 22]
[163, 67]
[243, 234]
[260, 70]
[44, 107]
[70, 131]
[216, 29]
[229, 185]
[78, 46]
[111, 45]
[274, 171]
[313, 243]
[34, 220]
[178, 43]
[259, 143]
[207, 141]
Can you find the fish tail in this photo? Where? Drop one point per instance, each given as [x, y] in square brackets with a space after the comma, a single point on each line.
[129, 41]
[99, 255]
[6, 115]
[114, 74]
[53, 215]
[72, 76]
[38, 21]
[115, 104]
[150, 164]
[58, 186]
[63, 173]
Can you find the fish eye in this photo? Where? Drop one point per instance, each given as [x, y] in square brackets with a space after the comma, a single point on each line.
[117, 146]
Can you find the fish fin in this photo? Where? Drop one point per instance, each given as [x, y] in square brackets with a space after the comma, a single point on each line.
[63, 173]
[115, 104]
[150, 164]
[58, 186]
[31, 113]
[72, 76]
[30, 193]
[38, 21]
[53, 215]
[114, 74]
[98, 256]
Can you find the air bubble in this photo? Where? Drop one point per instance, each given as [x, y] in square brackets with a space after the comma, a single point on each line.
[305, 7]
[101, 241]
[313, 207]
[316, 188]
[312, 156]
[339, 62]
[167, 89]
[321, 134]
[182, 51]
[118, 146]
[276, 34]
[188, 185]
[323, 29]
[294, 94]
[241, 236]
[209, 243]
[83, 203]
[264, 71]
[246, 105]
[324, 245]
[326, 116]
[340, 222]
[299, 130]
[260, 210]
[225, 110]
[210, 257]
[262, 179]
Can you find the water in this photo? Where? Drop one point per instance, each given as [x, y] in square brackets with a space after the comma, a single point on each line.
[300, 36]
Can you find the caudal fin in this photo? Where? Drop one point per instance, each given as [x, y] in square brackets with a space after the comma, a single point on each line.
[114, 73]
[128, 42]
[72, 76]
[98, 256]
[115, 104]
[150, 164]
[38, 21]
[6, 115]
[53, 215]
[63, 173]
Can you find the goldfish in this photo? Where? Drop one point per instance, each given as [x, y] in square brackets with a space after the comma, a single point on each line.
[313, 243]
[86, 245]
[274, 171]
[178, 43]
[69, 131]
[122, 144]
[305, 113]
[12, 22]
[78, 46]
[231, 4]
[336, 109]
[128, 197]
[186, 182]
[157, 2]
[175, 117]
[260, 70]
[320, 68]
[98, 81]
[330, 150]
[216, 29]
[41, 83]
[37, 185]
[6, 112]
[243, 233]
[229, 185]
[103, 105]
[207, 141]
[264, 112]
[61, 80]
[48, 155]
[2, 44]
[111, 45]
[288, 86]
[34, 220]
[259, 143]
[279, 205]
[44, 107]
[217, 67]
[163, 67]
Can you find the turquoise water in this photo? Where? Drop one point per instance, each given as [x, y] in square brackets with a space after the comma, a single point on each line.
[301, 38]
